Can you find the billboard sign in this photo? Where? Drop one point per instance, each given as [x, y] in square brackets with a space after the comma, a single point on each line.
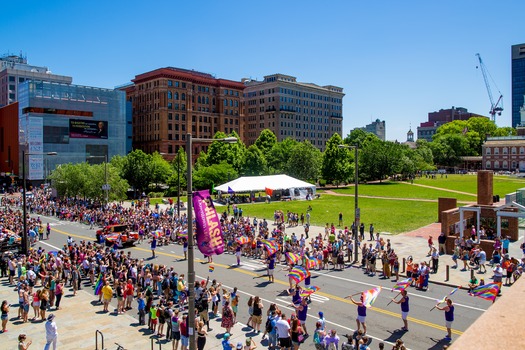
[88, 129]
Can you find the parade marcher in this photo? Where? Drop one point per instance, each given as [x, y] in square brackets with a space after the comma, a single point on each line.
[361, 313]
[404, 308]
[449, 317]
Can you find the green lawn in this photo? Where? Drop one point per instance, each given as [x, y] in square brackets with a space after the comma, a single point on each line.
[468, 183]
[393, 216]
[396, 189]
[386, 215]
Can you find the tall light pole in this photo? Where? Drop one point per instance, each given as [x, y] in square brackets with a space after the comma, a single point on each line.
[178, 185]
[191, 267]
[25, 240]
[357, 213]
[106, 186]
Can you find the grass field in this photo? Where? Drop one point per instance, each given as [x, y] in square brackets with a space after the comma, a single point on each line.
[468, 183]
[396, 189]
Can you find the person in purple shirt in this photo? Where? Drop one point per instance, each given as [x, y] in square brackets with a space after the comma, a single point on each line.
[361, 313]
[153, 246]
[271, 266]
[449, 317]
[404, 308]
[302, 313]
[331, 338]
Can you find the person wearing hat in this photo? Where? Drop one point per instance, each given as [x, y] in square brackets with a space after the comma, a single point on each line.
[22, 344]
[51, 332]
[226, 344]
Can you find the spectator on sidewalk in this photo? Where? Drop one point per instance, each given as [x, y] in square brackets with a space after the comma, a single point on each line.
[442, 240]
[51, 332]
[4, 315]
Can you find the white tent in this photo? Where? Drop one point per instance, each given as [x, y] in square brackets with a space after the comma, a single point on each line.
[295, 187]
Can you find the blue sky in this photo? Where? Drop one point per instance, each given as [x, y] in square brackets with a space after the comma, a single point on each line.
[396, 60]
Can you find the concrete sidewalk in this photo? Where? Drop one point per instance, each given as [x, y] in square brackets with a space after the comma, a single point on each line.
[81, 316]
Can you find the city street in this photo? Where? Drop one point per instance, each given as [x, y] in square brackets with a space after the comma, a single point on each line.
[426, 329]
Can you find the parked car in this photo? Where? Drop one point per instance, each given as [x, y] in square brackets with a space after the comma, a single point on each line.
[117, 233]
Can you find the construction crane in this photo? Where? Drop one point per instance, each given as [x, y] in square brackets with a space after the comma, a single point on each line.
[495, 108]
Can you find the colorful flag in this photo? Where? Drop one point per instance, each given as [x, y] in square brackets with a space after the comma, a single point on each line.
[270, 245]
[230, 191]
[208, 227]
[306, 292]
[439, 301]
[98, 285]
[211, 268]
[402, 285]
[242, 240]
[298, 273]
[183, 233]
[157, 234]
[292, 257]
[312, 262]
[488, 291]
[370, 296]
[268, 191]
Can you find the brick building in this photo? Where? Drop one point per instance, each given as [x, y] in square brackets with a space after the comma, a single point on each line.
[504, 153]
[292, 109]
[427, 129]
[170, 102]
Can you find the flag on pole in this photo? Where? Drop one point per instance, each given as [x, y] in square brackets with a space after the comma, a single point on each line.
[488, 291]
[402, 285]
[439, 301]
[242, 240]
[268, 191]
[298, 273]
[306, 292]
[98, 285]
[370, 296]
[292, 257]
[211, 268]
[312, 262]
[230, 191]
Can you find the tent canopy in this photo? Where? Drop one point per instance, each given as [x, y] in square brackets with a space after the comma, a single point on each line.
[260, 183]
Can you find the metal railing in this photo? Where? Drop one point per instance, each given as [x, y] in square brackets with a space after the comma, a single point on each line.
[97, 332]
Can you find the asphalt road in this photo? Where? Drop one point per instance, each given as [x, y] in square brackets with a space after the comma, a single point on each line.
[426, 328]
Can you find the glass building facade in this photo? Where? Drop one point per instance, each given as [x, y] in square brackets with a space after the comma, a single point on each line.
[518, 83]
[80, 123]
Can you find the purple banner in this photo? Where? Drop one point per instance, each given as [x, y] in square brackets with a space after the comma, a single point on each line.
[209, 231]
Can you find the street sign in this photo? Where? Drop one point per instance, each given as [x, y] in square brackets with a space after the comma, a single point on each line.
[106, 187]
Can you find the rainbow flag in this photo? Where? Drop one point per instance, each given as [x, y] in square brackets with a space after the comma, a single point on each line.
[298, 273]
[183, 233]
[156, 234]
[488, 291]
[292, 257]
[98, 285]
[311, 262]
[402, 285]
[370, 296]
[270, 245]
[306, 292]
[211, 268]
[242, 240]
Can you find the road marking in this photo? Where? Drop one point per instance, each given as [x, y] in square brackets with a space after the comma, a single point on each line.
[319, 298]
[334, 297]
[388, 287]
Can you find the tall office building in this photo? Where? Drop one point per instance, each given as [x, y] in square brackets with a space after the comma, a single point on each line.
[377, 128]
[292, 109]
[518, 83]
[80, 123]
[15, 70]
[170, 102]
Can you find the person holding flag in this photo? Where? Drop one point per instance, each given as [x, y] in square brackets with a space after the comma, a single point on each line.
[302, 313]
[449, 317]
[404, 308]
[361, 312]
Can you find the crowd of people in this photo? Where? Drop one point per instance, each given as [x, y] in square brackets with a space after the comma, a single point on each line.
[161, 293]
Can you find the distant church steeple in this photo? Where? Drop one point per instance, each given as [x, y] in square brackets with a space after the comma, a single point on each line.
[410, 135]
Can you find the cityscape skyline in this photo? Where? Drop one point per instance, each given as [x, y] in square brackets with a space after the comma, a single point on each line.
[395, 62]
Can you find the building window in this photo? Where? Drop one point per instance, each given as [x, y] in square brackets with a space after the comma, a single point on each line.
[170, 116]
[513, 150]
[505, 151]
[496, 164]
[496, 151]
[169, 95]
[183, 97]
[487, 164]
[522, 150]
[170, 82]
[12, 78]
[487, 151]
[505, 164]
[170, 105]
[176, 95]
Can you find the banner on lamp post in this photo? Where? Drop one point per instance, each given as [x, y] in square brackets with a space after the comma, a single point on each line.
[208, 226]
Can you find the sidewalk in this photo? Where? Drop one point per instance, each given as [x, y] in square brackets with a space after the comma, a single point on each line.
[81, 316]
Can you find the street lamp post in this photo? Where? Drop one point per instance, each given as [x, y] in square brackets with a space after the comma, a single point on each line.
[357, 213]
[191, 267]
[178, 185]
[25, 240]
[106, 185]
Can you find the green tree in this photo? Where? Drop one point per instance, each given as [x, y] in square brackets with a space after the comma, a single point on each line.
[231, 153]
[447, 149]
[179, 165]
[265, 142]
[335, 166]
[137, 170]
[279, 156]
[380, 159]
[207, 177]
[359, 137]
[305, 161]
[160, 169]
[254, 162]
